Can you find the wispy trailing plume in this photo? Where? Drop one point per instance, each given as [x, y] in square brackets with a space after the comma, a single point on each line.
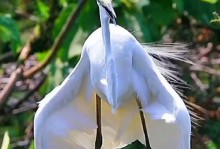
[162, 54]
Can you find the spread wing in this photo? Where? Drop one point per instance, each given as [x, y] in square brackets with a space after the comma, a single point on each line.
[168, 121]
[66, 116]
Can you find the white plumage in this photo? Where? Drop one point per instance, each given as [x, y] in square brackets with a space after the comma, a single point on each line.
[119, 70]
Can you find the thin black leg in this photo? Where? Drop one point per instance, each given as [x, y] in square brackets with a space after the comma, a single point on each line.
[144, 125]
[98, 141]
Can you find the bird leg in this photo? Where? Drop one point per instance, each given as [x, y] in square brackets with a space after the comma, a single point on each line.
[143, 125]
[98, 141]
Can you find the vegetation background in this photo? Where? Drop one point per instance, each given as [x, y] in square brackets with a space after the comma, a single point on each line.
[41, 40]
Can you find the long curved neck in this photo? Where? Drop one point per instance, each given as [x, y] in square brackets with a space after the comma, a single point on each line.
[105, 31]
[109, 59]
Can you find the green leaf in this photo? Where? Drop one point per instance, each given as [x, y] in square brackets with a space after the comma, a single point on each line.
[43, 9]
[32, 145]
[61, 20]
[140, 24]
[9, 32]
[73, 42]
[161, 12]
[179, 5]
[210, 1]
[57, 71]
[216, 18]
[211, 145]
[6, 141]
[202, 11]
[59, 24]
[41, 56]
[135, 145]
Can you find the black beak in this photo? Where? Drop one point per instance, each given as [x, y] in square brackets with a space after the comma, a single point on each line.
[110, 11]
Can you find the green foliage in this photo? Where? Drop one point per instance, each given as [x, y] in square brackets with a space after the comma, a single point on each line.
[213, 130]
[32, 145]
[211, 145]
[216, 18]
[211, 1]
[9, 32]
[202, 11]
[135, 145]
[43, 9]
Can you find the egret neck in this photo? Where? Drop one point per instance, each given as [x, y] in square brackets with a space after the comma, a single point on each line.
[105, 20]
[111, 89]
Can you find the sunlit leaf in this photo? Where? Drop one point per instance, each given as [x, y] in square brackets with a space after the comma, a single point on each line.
[211, 145]
[210, 1]
[128, 3]
[44, 9]
[41, 56]
[32, 145]
[6, 141]
[216, 18]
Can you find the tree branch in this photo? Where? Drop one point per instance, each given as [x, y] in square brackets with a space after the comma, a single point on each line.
[7, 90]
[15, 109]
[17, 74]
[198, 82]
[205, 69]
[58, 42]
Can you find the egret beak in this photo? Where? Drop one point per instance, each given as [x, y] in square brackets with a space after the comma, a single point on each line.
[110, 11]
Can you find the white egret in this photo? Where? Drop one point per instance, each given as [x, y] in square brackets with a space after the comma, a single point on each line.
[115, 66]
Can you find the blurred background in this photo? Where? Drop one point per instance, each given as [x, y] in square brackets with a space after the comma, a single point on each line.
[41, 41]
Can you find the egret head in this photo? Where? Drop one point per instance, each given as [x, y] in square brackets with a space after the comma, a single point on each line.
[106, 7]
